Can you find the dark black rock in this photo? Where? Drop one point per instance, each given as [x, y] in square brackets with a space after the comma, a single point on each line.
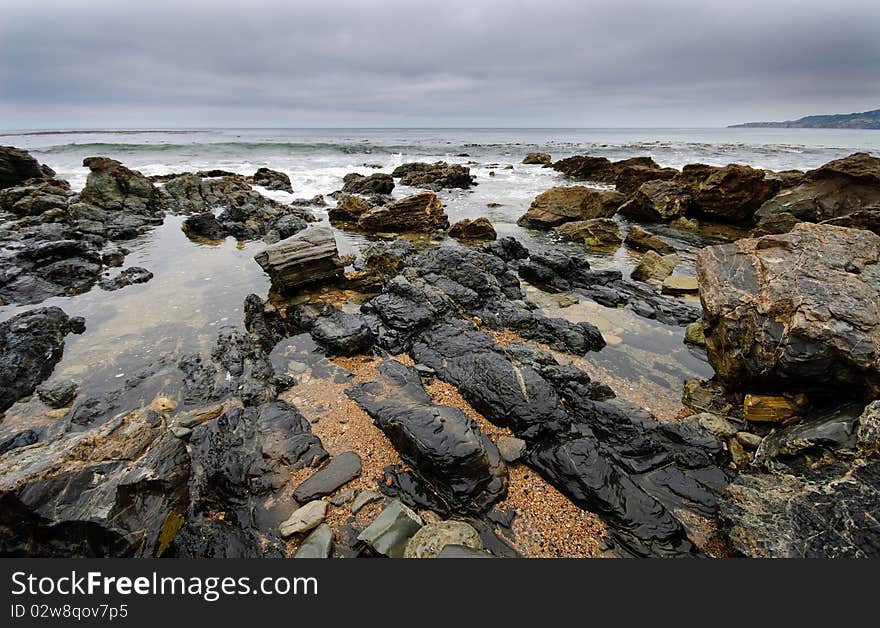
[444, 446]
[31, 344]
[338, 332]
[341, 470]
[17, 166]
[377, 183]
[272, 180]
[21, 439]
[204, 225]
[241, 464]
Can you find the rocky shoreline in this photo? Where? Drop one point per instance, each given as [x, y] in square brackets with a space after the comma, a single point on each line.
[404, 400]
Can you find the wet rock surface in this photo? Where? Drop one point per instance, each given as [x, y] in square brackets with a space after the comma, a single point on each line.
[436, 176]
[419, 213]
[457, 466]
[338, 472]
[308, 257]
[793, 311]
[470, 230]
[564, 204]
[17, 166]
[31, 344]
[272, 180]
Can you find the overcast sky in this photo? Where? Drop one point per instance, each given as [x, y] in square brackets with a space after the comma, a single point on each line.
[542, 63]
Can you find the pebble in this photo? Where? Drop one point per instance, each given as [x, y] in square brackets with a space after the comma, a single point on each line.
[364, 498]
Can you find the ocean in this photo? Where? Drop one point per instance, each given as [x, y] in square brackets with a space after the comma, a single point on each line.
[199, 288]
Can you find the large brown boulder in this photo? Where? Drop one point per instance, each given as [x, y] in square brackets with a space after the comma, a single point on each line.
[565, 204]
[376, 183]
[477, 229]
[794, 312]
[600, 169]
[17, 166]
[437, 176]
[539, 159]
[658, 201]
[629, 178]
[348, 210]
[733, 193]
[831, 192]
[418, 213]
[596, 233]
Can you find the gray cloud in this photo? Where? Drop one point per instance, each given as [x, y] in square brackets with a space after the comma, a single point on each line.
[468, 63]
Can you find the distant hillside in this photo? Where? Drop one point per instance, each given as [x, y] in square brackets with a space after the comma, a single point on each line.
[864, 120]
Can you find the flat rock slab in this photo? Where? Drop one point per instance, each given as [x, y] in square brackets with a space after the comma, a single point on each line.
[389, 533]
[305, 518]
[364, 498]
[316, 545]
[340, 471]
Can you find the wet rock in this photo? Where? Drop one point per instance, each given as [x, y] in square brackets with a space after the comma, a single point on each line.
[436, 176]
[740, 457]
[720, 426]
[833, 191]
[348, 210]
[658, 201]
[376, 183]
[272, 180]
[389, 533]
[364, 498]
[707, 396]
[599, 169]
[641, 240]
[825, 514]
[241, 466]
[693, 334]
[419, 213]
[793, 312]
[477, 229]
[833, 431]
[305, 258]
[511, 448]
[679, 285]
[31, 344]
[630, 178]
[868, 429]
[565, 204]
[773, 409]
[17, 166]
[204, 225]
[733, 193]
[318, 544]
[597, 233]
[118, 491]
[304, 518]
[430, 540]
[20, 439]
[539, 159]
[654, 267]
[453, 459]
[341, 470]
[35, 197]
[338, 332]
[116, 202]
[57, 393]
[127, 277]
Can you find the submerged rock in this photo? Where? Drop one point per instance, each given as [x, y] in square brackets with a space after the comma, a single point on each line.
[599, 233]
[455, 462]
[31, 344]
[797, 311]
[127, 277]
[564, 204]
[305, 258]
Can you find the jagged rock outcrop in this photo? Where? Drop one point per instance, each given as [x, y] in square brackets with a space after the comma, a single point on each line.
[376, 183]
[476, 229]
[338, 332]
[600, 169]
[31, 344]
[537, 159]
[658, 201]
[565, 204]
[348, 210]
[630, 178]
[841, 188]
[35, 197]
[273, 180]
[116, 202]
[119, 490]
[419, 213]
[598, 233]
[437, 176]
[732, 193]
[458, 467]
[640, 239]
[17, 166]
[799, 311]
[308, 257]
